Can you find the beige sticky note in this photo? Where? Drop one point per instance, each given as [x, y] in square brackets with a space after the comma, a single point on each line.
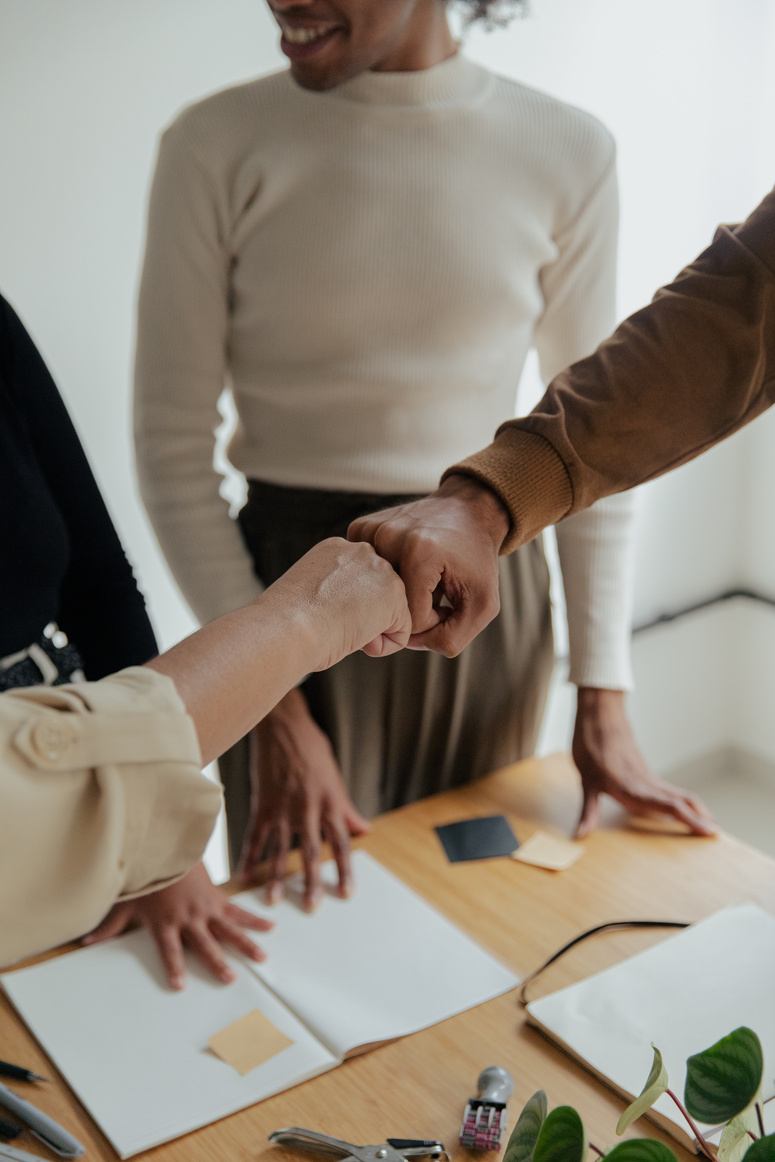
[248, 1042]
[545, 850]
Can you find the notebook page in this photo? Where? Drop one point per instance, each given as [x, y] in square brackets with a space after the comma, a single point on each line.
[683, 994]
[136, 1053]
[377, 966]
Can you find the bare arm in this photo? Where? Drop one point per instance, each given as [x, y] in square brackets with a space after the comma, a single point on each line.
[338, 598]
[101, 784]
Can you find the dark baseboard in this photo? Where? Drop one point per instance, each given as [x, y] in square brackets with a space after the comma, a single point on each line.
[728, 595]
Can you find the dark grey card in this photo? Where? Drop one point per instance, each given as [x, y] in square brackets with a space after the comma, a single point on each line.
[483, 838]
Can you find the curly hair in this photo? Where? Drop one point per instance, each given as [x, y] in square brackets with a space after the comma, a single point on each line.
[491, 13]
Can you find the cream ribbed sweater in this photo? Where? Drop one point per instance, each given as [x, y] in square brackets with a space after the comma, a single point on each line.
[367, 268]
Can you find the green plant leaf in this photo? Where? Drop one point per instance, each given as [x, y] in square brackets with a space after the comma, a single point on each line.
[562, 1138]
[641, 1150]
[734, 1139]
[525, 1134]
[762, 1151]
[655, 1086]
[724, 1079]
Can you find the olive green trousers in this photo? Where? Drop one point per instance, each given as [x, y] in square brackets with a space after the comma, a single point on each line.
[415, 723]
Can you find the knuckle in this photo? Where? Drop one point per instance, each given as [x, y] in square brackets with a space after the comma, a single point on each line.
[310, 849]
[383, 538]
[491, 604]
[419, 545]
[342, 838]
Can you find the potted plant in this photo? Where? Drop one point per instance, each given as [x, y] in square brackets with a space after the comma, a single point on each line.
[723, 1087]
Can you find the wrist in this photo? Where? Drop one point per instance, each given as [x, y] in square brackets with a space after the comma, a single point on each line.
[287, 607]
[288, 710]
[595, 701]
[481, 504]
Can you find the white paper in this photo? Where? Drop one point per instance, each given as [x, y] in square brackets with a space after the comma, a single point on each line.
[683, 994]
[136, 1053]
[374, 967]
[377, 966]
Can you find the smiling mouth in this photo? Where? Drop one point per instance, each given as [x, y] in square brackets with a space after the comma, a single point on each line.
[303, 35]
[302, 42]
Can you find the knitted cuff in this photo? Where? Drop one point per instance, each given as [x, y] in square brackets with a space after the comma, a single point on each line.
[527, 475]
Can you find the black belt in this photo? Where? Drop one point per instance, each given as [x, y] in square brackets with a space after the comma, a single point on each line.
[41, 664]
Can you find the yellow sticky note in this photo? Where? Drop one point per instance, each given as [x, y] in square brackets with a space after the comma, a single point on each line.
[248, 1042]
[544, 850]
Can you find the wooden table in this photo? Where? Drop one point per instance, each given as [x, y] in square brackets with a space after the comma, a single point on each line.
[417, 1087]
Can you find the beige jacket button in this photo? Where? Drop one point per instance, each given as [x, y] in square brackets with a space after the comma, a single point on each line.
[52, 739]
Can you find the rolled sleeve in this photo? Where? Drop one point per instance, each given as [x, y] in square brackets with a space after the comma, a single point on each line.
[103, 800]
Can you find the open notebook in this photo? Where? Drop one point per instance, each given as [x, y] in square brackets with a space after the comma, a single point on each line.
[683, 994]
[356, 973]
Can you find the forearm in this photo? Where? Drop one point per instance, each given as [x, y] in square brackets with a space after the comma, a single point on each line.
[336, 599]
[236, 669]
[291, 708]
[675, 378]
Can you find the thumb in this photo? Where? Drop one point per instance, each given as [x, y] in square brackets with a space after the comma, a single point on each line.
[384, 645]
[355, 822]
[590, 814]
[394, 638]
[114, 923]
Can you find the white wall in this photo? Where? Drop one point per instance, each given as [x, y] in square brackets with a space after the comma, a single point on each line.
[759, 482]
[85, 87]
[686, 86]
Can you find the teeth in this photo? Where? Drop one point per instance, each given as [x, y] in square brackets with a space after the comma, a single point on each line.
[302, 35]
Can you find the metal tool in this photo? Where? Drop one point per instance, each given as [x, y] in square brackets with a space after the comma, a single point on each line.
[19, 1072]
[13, 1154]
[42, 1126]
[486, 1118]
[391, 1150]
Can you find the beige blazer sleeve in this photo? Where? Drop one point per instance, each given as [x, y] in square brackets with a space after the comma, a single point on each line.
[102, 799]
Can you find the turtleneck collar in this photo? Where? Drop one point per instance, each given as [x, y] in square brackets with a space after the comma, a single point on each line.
[456, 81]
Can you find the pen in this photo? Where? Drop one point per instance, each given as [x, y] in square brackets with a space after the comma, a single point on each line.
[42, 1126]
[17, 1155]
[19, 1073]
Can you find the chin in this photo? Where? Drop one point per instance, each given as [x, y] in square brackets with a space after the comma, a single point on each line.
[317, 80]
[321, 77]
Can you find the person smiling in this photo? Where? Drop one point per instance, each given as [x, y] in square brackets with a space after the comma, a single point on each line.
[364, 247]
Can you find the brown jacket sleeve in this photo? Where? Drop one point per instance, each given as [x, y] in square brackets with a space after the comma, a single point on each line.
[102, 799]
[675, 378]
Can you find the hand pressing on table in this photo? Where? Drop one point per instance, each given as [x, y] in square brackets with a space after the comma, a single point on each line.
[192, 913]
[610, 762]
[298, 790]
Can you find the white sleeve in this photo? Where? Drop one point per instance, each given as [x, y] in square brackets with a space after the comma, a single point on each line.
[180, 372]
[595, 546]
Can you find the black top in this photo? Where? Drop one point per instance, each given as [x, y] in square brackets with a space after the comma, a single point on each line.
[60, 557]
